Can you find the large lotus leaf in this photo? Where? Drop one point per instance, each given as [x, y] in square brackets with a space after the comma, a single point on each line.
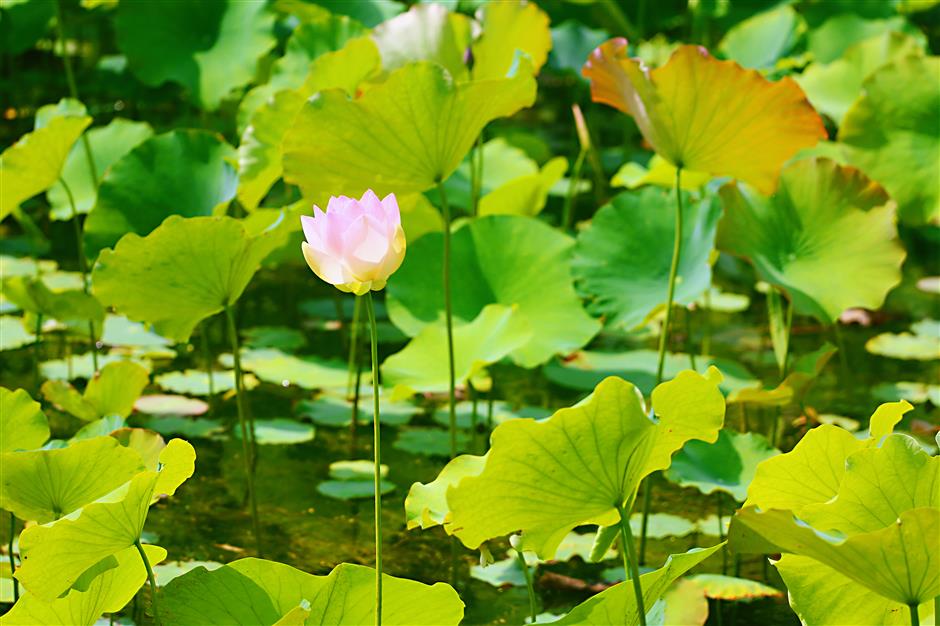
[426, 504]
[44, 485]
[259, 153]
[108, 144]
[578, 466]
[821, 595]
[23, 425]
[508, 27]
[885, 133]
[708, 115]
[509, 260]
[726, 465]
[34, 163]
[825, 224]
[279, 368]
[254, 592]
[426, 32]
[183, 272]
[182, 172]
[57, 554]
[830, 40]
[209, 46]
[833, 87]
[526, 195]
[622, 259]
[369, 12]
[760, 41]
[496, 332]
[112, 391]
[869, 498]
[617, 605]
[108, 592]
[71, 305]
[404, 135]
[899, 561]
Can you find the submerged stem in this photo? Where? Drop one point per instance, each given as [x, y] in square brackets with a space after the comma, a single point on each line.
[377, 447]
[246, 442]
[448, 314]
[631, 565]
[533, 605]
[150, 578]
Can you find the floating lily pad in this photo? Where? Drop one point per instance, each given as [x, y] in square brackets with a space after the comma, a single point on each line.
[429, 441]
[162, 404]
[13, 334]
[200, 428]
[352, 489]
[280, 431]
[913, 392]
[111, 391]
[720, 587]
[278, 368]
[505, 573]
[502, 411]
[120, 331]
[921, 345]
[82, 365]
[715, 299]
[336, 411]
[280, 337]
[196, 382]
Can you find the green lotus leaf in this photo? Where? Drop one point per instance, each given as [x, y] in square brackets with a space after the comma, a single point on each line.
[617, 605]
[526, 195]
[726, 465]
[429, 441]
[23, 425]
[108, 144]
[13, 334]
[426, 32]
[280, 431]
[259, 153]
[899, 561]
[508, 28]
[120, 331]
[112, 391]
[369, 12]
[884, 134]
[760, 41]
[572, 42]
[923, 344]
[404, 135]
[183, 426]
[43, 485]
[183, 272]
[108, 592]
[336, 410]
[182, 172]
[98, 428]
[165, 572]
[658, 172]
[196, 382]
[538, 283]
[279, 368]
[83, 365]
[500, 574]
[58, 553]
[577, 467]
[830, 40]
[210, 47]
[72, 306]
[721, 587]
[33, 164]
[812, 472]
[496, 332]
[501, 412]
[426, 504]
[256, 592]
[353, 489]
[22, 22]
[913, 392]
[622, 259]
[833, 87]
[824, 223]
[821, 595]
[584, 369]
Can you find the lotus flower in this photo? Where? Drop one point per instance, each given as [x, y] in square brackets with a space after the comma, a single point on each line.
[356, 244]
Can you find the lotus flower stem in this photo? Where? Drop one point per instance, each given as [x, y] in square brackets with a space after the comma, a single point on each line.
[354, 370]
[631, 565]
[16, 583]
[533, 605]
[377, 447]
[476, 173]
[567, 214]
[247, 450]
[83, 267]
[448, 314]
[915, 617]
[37, 356]
[150, 578]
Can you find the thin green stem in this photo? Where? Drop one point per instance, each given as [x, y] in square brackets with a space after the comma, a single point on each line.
[631, 565]
[567, 214]
[354, 372]
[37, 356]
[83, 267]
[150, 578]
[377, 447]
[673, 272]
[721, 535]
[16, 583]
[449, 318]
[644, 523]
[476, 174]
[915, 617]
[533, 605]
[73, 91]
[246, 441]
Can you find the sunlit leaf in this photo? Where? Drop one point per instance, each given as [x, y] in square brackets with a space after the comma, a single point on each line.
[250, 592]
[622, 259]
[885, 133]
[426, 504]
[13, 334]
[538, 283]
[210, 47]
[181, 273]
[23, 425]
[280, 431]
[759, 41]
[112, 391]
[824, 223]
[659, 172]
[546, 478]
[426, 32]
[196, 382]
[830, 40]
[508, 27]
[182, 172]
[707, 115]
[279, 368]
[731, 588]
